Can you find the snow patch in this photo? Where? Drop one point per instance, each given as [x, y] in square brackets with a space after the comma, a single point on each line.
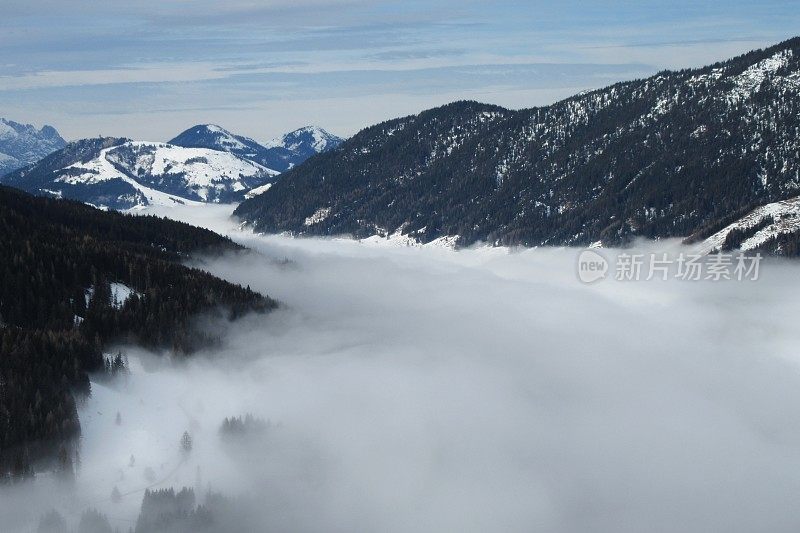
[120, 293]
[445, 241]
[398, 239]
[318, 216]
[395, 239]
[88, 294]
[749, 81]
[258, 190]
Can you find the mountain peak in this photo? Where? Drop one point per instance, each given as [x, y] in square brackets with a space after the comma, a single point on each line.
[279, 155]
[24, 144]
[214, 137]
[213, 129]
[308, 140]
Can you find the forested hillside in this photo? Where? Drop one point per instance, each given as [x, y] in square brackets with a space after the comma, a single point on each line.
[681, 153]
[75, 279]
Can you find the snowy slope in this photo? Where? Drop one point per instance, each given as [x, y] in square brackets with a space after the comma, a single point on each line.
[757, 227]
[751, 80]
[225, 140]
[216, 137]
[399, 240]
[194, 173]
[123, 174]
[100, 170]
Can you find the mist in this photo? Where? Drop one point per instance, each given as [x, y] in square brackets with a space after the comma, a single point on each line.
[420, 389]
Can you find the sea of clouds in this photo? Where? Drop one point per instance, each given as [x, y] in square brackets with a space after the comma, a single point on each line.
[416, 389]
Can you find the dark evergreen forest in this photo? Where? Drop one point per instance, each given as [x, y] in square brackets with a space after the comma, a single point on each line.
[58, 260]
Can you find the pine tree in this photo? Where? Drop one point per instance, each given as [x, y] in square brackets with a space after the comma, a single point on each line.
[116, 496]
[52, 522]
[186, 442]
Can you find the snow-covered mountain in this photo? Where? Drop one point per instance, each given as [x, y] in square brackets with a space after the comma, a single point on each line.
[122, 174]
[302, 143]
[23, 144]
[280, 154]
[216, 137]
[205, 163]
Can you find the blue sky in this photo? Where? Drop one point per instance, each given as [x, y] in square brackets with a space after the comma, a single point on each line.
[148, 69]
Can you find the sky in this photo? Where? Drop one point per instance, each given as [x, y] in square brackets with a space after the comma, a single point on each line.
[149, 69]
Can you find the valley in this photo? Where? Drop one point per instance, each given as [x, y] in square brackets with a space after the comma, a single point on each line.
[544, 281]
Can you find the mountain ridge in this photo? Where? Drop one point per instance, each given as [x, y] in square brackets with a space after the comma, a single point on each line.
[280, 154]
[205, 163]
[665, 156]
[23, 144]
[118, 173]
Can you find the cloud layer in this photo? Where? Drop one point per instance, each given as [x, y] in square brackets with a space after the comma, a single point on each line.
[426, 390]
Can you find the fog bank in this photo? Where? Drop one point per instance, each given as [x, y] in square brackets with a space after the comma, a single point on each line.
[481, 390]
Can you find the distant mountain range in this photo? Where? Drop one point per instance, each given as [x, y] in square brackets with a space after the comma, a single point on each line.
[683, 153]
[23, 144]
[205, 163]
[280, 154]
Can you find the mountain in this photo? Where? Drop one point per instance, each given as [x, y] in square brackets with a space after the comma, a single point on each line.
[121, 174]
[76, 279]
[280, 155]
[23, 144]
[682, 153]
[298, 145]
[216, 137]
[205, 163]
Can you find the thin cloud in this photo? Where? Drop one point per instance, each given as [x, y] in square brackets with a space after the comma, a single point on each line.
[161, 55]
